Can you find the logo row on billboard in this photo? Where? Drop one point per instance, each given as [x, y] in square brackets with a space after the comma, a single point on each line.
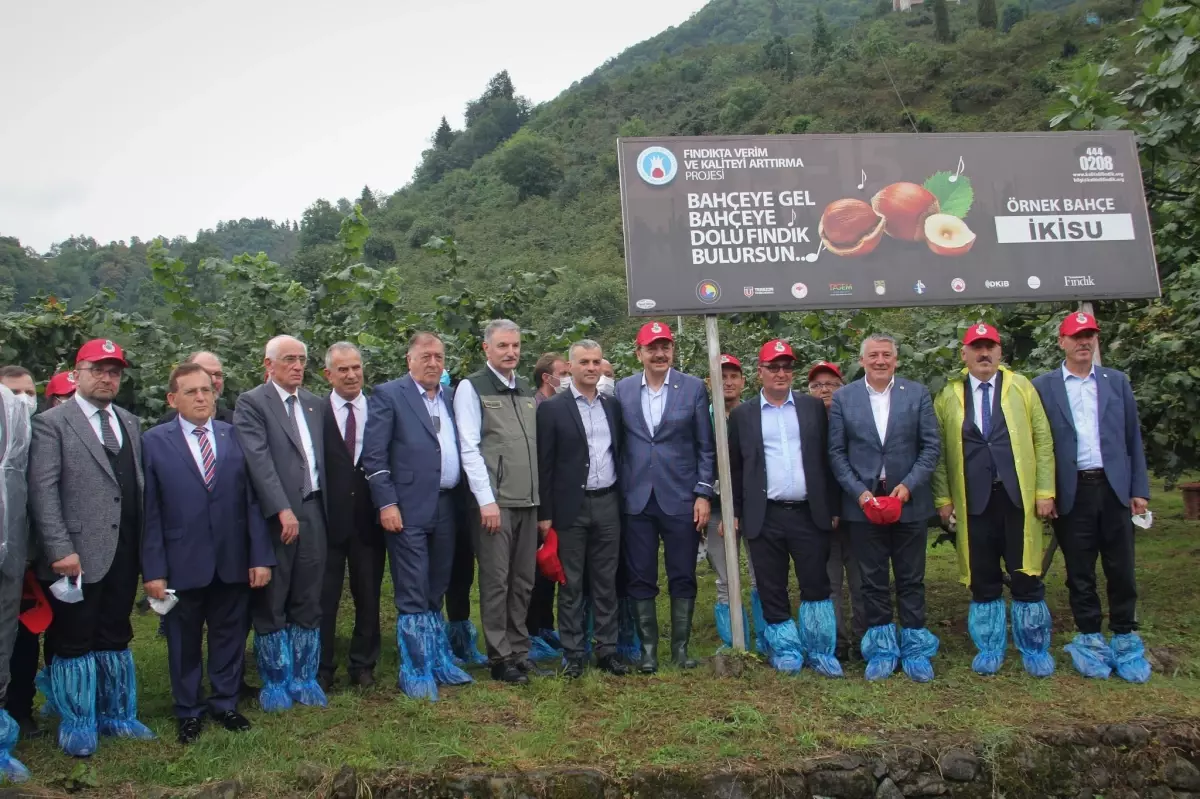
[709, 291]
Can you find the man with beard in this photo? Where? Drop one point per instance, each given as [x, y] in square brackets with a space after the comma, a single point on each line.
[1101, 479]
[996, 476]
[667, 482]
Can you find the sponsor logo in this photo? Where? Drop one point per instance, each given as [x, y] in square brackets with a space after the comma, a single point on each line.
[748, 291]
[881, 287]
[708, 291]
[1078, 281]
[799, 291]
[919, 287]
[758, 291]
[841, 289]
[995, 284]
[657, 166]
[1034, 282]
[958, 284]
[645, 305]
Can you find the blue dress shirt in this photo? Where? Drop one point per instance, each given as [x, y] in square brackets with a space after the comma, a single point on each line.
[782, 448]
[1083, 394]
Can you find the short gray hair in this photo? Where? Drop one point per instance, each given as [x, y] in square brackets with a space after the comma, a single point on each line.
[500, 326]
[866, 342]
[583, 344]
[340, 346]
[422, 337]
[192, 358]
[272, 349]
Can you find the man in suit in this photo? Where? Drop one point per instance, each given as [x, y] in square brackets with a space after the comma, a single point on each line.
[785, 500]
[666, 479]
[355, 537]
[222, 411]
[14, 545]
[281, 429]
[412, 462]
[996, 476]
[1100, 480]
[579, 446]
[883, 442]
[207, 541]
[85, 492]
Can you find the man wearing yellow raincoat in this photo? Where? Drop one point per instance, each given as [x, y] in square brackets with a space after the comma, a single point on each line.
[996, 475]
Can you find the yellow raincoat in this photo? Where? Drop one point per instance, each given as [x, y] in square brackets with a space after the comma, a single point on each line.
[1033, 454]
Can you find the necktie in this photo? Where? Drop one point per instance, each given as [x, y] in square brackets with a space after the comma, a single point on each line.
[106, 432]
[987, 409]
[206, 455]
[291, 411]
[351, 434]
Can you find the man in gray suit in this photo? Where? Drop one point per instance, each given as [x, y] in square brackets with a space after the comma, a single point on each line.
[14, 543]
[883, 448]
[280, 427]
[85, 491]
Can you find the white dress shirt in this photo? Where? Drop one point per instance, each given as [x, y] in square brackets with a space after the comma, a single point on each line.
[357, 406]
[470, 425]
[782, 449]
[654, 403]
[92, 412]
[1083, 394]
[602, 471]
[310, 454]
[193, 442]
[881, 409]
[977, 399]
[447, 439]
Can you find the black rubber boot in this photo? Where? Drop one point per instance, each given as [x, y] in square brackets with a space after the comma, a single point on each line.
[646, 614]
[681, 632]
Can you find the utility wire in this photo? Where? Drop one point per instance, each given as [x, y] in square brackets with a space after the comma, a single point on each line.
[888, 72]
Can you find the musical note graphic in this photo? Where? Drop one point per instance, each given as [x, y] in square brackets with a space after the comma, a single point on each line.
[812, 256]
[961, 167]
[864, 179]
[793, 222]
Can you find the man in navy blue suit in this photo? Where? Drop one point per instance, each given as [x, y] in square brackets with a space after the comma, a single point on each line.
[666, 480]
[883, 447]
[206, 540]
[1101, 479]
[410, 455]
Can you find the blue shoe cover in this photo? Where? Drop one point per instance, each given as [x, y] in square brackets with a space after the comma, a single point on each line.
[784, 641]
[724, 626]
[916, 648]
[540, 650]
[760, 624]
[73, 692]
[880, 650]
[464, 642]
[1091, 655]
[306, 659]
[445, 670]
[42, 680]
[818, 637]
[416, 662]
[11, 769]
[116, 696]
[1129, 654]
[629, 645]
[273, 654]
[989, 632]
[551, 638]
[1031, 634]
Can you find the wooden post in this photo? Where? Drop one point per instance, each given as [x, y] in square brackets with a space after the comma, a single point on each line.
[733, 565]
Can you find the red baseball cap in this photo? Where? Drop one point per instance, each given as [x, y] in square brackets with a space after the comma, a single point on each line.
[825, 366]
[981, 332]
[548, 562]
[101, 349]
[775, 349]
[652, 332]
[1077, 323]
[883, 510]
[61, 385]
[729, 360]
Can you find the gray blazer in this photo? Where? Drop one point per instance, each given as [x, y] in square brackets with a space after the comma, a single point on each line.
[73, 491]
[274, 453]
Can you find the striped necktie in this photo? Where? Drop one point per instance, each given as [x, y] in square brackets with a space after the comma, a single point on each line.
[206, 455]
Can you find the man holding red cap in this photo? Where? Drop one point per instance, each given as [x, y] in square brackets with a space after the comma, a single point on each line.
[785, 498]
[883, 446]
[85, 491]
[996, 476]
[1101, 479]
[667, 482]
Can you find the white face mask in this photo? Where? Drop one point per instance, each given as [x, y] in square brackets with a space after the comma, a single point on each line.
[30, 403]
[564, 383]
[607, 385]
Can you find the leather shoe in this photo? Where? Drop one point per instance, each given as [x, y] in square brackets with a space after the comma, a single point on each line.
[232, 721]
[363, 679]
[189, 730]
[325, 680]
[509, 673]
[613, 665]
[527, 666]
[573, 670]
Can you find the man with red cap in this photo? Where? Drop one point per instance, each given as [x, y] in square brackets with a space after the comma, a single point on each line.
[824, 378]
[1101, 479]
[667, 483]
[996, 476]
[85, 492]
[785, 498]
[60, 389]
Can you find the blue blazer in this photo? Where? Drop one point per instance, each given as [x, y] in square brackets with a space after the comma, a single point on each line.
[401, 452]
[194, 536]
[677, 462]
[857, 456]
[1120, 436]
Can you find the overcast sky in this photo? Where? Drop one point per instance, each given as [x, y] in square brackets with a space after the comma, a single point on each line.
[156, 117]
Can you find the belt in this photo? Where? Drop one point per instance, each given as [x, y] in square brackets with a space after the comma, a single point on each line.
[1092, 475]
[599, 492]
[788, 504]
[315, 495]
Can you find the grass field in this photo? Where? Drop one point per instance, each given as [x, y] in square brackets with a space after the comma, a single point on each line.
[689, 720]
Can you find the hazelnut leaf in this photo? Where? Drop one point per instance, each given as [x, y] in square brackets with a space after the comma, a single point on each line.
[954, 198]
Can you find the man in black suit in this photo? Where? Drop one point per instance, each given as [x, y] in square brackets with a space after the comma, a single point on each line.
[212, 364]
[579, 436]
[785, 499]
[353, 534]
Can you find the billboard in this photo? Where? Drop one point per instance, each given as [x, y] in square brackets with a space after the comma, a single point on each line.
[717, 224]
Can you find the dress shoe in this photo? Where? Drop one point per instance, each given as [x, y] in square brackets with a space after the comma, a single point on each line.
[232, 721]
[325, 680]
[573, 670]
[613, 665]
[362, 679]
[509, 673]
[189, 730]
[527, 666]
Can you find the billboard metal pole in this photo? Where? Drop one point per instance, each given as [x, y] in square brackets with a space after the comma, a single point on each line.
[733, 566]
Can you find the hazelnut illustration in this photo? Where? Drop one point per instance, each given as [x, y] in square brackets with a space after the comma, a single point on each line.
[948, 235]
[905, 207]
[850, 227]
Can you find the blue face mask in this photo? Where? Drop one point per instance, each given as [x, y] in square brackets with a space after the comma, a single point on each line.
[445, 378]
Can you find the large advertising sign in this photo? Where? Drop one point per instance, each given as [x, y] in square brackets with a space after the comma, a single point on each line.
[787, 223]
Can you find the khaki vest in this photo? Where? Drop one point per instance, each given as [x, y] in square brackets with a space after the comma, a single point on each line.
[508, 439]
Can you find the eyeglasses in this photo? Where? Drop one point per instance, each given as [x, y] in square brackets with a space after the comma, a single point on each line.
[289, 360]
[217, 375]
[823, 386]
[775, 367]
[105, 371]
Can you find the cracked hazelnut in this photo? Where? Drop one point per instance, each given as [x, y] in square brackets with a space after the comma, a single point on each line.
[905, 207]
[850, 227]
[948, 235]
